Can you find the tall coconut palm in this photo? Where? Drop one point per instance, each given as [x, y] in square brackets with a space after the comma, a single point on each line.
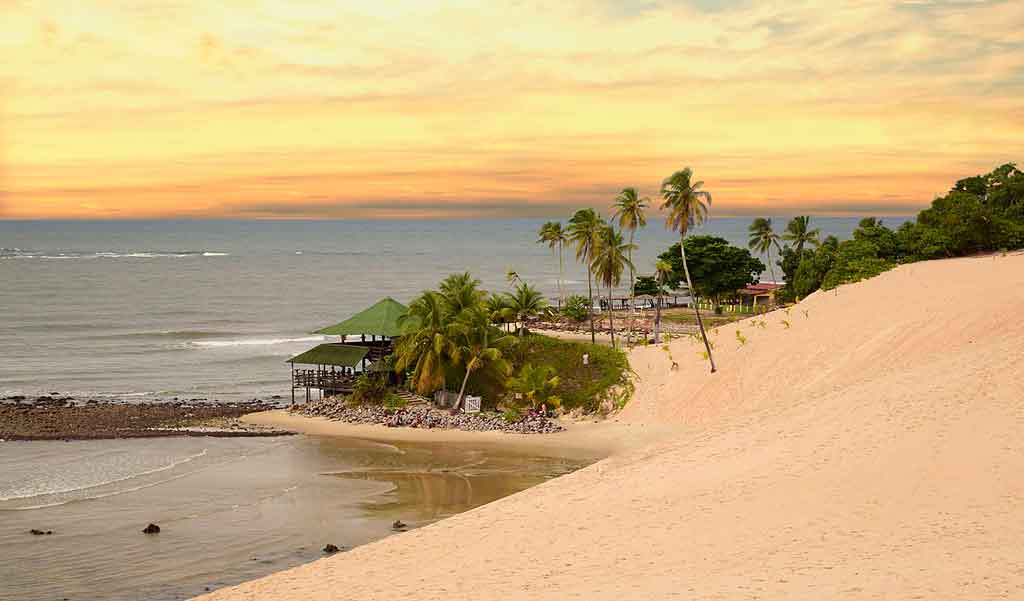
[629, 211]
[762, 239]
[555, 236]
[687, 206]
[798, 232]
[583, 229]
[609, 260]
[662, 272]
[478, 345]
[425, 345]
[524, 303]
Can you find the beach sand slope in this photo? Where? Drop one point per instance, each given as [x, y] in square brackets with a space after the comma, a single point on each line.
[869, 444]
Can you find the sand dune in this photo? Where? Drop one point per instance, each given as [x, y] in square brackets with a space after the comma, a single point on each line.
[872, 449]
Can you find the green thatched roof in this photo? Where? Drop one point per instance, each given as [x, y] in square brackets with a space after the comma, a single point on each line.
[344, 355]
[379, 320]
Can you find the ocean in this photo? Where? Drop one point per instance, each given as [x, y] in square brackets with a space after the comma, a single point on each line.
[152, 310]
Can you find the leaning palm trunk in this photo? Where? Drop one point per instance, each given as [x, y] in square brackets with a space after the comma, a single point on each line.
[590, 307]
[611, 315]
[696, 309]
[462, 391]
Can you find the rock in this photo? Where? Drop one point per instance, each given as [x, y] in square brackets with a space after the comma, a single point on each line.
[398, 525]
[36, 532]
[331, 549]
[151, 529]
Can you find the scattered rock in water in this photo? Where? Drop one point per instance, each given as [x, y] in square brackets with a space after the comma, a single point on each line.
[398, 525]
[330, 549]
[151, 529]
[38, 532]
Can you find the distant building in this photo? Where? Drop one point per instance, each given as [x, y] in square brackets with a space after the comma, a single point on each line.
[761, 294]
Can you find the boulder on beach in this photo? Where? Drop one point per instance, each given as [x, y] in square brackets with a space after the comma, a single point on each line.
[331, 548]
[398, 525]
[151, 529]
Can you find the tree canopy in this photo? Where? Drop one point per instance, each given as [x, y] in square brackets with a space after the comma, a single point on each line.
[983, 213]
[718, 269]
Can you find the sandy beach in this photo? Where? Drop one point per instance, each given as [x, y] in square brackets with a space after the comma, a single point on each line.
[869, 449]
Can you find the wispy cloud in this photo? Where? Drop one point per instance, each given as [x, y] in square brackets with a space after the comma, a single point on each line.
[531, 108]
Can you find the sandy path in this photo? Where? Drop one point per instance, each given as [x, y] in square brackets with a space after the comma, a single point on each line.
[873, 449]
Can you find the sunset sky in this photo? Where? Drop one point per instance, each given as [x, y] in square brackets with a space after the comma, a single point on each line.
[391, 109]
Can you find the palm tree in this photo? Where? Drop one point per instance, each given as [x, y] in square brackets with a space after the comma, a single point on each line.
[687, 206]
[496, 306]
[425, 345]
[478, 345]
[799, 233]
[609, 260]
[762, 239]
[629, 211]
[461, 291]
[537, 385]
[554, 235]
[662, 272]
[583, 229]
[524, 303]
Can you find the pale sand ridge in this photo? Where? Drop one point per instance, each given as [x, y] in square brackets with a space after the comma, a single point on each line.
[872, 450]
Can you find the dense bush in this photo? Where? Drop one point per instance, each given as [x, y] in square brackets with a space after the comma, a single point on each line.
[717, 268]
[370, 388]
[984, 213]
[576, 308]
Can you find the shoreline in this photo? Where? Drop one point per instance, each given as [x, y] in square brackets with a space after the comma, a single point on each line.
[579, 439]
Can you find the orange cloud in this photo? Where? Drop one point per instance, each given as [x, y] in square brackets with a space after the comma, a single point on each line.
[422, 109]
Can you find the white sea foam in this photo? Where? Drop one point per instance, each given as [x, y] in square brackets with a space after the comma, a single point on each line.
[29, 493]
[254, 341]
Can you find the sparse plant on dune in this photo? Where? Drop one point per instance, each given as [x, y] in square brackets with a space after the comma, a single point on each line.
[806, 314]
[741, 338]
[786, 323]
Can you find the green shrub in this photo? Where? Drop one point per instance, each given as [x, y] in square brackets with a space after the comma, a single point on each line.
[535, 386]
[576, 308]
[511, 415]
[393, 401]
[369, 389]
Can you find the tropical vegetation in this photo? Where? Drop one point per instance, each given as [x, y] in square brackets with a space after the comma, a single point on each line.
[687, 203]
[453, 339]
[719, 269]
[583, 230]
[608, 260]
[983, 213]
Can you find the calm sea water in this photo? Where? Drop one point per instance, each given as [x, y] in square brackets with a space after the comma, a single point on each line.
[229, 509]
[211, 309]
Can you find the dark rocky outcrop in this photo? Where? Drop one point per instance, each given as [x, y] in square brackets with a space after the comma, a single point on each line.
[151, 529]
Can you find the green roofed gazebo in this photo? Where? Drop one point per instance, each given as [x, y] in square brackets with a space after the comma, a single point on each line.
[339, 355]
[381, 319]
[334, 370]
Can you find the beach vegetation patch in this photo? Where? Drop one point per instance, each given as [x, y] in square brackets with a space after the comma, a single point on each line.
[979, 214]
[591, 384]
